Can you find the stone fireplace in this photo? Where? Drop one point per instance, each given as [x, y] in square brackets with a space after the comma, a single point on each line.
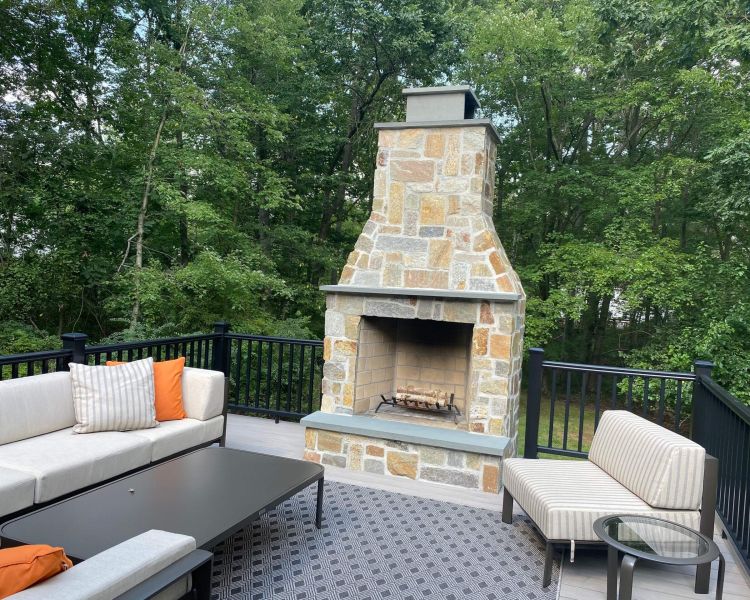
[427, 301]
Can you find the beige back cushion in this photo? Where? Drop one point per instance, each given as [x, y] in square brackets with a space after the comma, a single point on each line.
[35, 405]
[661, 467]
[202, 393]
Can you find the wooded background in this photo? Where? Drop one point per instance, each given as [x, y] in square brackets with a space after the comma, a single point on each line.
[168, 163]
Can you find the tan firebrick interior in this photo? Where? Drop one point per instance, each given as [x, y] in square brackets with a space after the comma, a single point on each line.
[398, 353]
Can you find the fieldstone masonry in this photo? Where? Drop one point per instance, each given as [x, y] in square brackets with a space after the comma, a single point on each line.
[430, 232]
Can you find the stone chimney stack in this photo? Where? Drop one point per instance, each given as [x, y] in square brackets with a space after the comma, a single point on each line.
[427, 304]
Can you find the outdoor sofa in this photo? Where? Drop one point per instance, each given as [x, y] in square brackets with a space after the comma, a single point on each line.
[634, 467]
[42, 460]
[155, 564]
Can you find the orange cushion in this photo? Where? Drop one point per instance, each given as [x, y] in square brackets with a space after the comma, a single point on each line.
[167, 388]
[23, 566]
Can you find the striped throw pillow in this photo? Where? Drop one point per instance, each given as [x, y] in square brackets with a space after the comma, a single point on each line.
[113, 398]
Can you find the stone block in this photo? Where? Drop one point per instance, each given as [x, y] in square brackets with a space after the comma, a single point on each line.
[500, 346]
[485, 314]
[334, 323]
[402, 463]
[474, 139]
[418, 171]
[355, 457]
[373, 450]
[334, 460]
[350, 305]
[345, 347]
[494, 386]
[366, 278]
[383, 308]
[421, 278]
[459, 311]
[411, 138]
[433, 456]
[491, 479]
[327, 345]
[311, 438]
[504, 283]
[434, 145]
[481, 284]
[456, 459]
[432, 210]
[473, 461]
[497, 263]
[379, 183]
[479, 341]
[483, 241]
[453, 185]
[450, 476]
[311, 456]
[476, 427]
[439, 254]
[329, 441]
[480, 270]
[334, 371]
[374, 466]
[407, 245]
[348, 398]
[431, 232]
[393, 275]
[495, 426]
[396, 203]
[351, 326]
[347, 273]
[387, 138]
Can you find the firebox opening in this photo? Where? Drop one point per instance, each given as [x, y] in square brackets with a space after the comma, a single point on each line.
[411, 354]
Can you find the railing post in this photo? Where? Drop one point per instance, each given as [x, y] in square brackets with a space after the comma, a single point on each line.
[700, 417]
[220, 357]
[77, 343]
[533, 402]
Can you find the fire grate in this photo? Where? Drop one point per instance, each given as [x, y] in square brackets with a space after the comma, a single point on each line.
[433, 401]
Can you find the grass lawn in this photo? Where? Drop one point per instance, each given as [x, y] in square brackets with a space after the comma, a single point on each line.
[558, 426]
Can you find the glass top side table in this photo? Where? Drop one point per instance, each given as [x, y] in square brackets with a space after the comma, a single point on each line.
[641, 537]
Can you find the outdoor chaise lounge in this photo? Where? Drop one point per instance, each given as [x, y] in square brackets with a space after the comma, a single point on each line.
[634, 467]
[155, 564]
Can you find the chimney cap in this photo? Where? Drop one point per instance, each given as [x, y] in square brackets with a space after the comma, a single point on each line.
[442, 103]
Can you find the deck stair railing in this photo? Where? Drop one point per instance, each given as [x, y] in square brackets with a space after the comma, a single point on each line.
[565, 401]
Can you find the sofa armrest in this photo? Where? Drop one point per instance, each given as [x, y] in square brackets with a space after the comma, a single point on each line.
[116, 570]
[202, 393]
[197, 563]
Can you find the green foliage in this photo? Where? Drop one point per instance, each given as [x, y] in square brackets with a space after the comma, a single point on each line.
[239, 135]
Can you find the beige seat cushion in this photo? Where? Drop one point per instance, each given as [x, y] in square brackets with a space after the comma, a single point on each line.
[661, 467]
[565, 497]
[171, 437]
[63, 461]
[202, 393]
[16, 490]
[35, 405]
[116, 570]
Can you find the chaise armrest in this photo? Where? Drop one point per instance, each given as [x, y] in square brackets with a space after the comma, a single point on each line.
[198, 563]
[114, 571]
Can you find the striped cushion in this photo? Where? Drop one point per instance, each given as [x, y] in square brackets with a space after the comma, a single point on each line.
[565, 497]
[113, 398]
[660, 466]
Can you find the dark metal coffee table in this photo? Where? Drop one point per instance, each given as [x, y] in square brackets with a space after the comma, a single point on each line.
[209, 494]
[641, 537]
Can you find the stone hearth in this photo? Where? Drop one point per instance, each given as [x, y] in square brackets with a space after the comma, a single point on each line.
[428, 298]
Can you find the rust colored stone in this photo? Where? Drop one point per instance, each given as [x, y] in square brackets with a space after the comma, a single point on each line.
[485, 314]
[311, 437]
[500, 346]
[402, 463]
[505, 284]
[477, 427]
[483, 241]
[311, 456]
[347, 347]
[375, 450]
[479, 342]
[432, 210]
[497, 263]
[348, 400]
[387, 138]
[413, 171]
[491, 479]
[410, 138]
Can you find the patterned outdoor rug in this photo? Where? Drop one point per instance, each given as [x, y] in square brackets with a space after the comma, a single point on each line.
[377, 544]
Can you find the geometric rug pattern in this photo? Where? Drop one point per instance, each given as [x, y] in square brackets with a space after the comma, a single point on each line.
[377, 545]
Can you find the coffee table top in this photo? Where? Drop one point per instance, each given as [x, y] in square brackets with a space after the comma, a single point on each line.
[656, 540]
[208, 494]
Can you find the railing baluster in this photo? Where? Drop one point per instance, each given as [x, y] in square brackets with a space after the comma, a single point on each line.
[311, 387]
[567, 410]
[645, 396]
[678, 408]
[248, 362]
[258, 378]
[301, 377]
[597, 400]
[238, 369]
[582, 409]
[279, 375]
[552, 401]
[269, 386]
[289, 379]
[613, 401]
[630, 393]
[662, 402]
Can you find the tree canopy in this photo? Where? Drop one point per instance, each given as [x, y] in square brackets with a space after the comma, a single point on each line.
[167, 163]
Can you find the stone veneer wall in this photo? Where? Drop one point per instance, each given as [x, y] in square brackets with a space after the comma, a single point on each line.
[425, 463]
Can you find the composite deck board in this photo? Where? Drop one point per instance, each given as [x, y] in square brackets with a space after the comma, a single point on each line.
[585, 579]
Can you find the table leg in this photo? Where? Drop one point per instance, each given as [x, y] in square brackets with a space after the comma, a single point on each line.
[319, 508]
[612, 567]
[626, 577]
[720, 578]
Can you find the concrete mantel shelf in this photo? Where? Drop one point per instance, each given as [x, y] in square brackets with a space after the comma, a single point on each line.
[424, 292]
[441, 124]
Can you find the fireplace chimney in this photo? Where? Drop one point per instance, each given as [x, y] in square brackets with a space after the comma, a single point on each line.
[428, 302]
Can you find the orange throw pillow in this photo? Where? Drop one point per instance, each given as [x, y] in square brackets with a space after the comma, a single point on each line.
[167, 388]
[23, 566]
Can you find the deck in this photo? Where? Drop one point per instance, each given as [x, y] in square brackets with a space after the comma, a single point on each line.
[585, 579]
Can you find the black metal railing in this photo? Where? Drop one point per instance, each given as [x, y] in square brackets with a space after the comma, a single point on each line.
[565, 401]
[722, 426]
[272, 376]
